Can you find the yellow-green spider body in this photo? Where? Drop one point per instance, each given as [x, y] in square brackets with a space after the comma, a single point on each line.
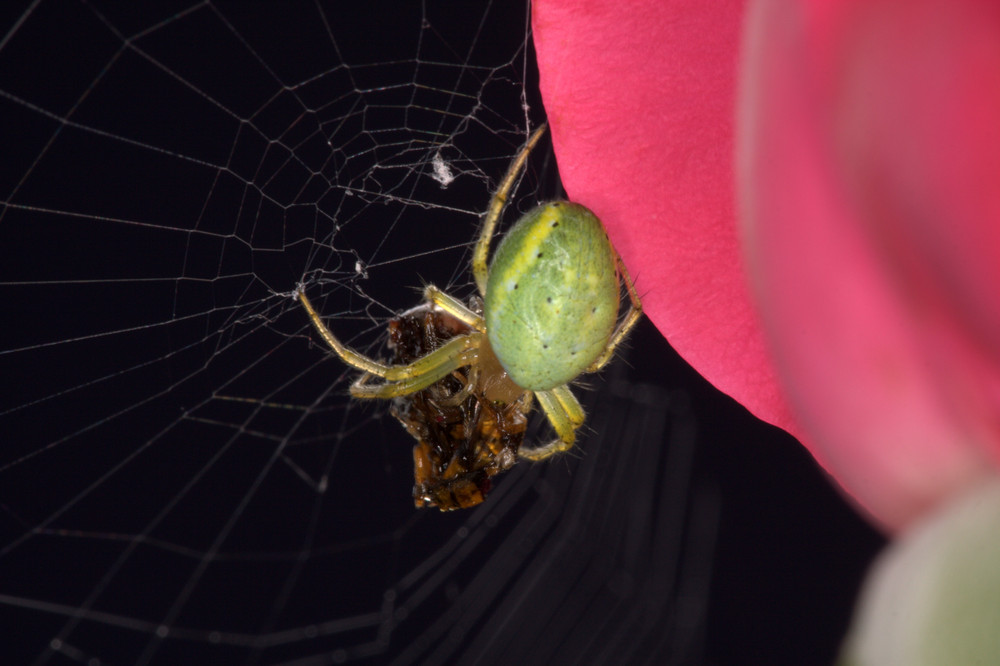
[550, 301]
[552, 295]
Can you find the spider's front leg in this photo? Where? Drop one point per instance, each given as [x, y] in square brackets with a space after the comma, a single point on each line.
[480, 256]
[458, 352]
[454, 307]
[400, 380]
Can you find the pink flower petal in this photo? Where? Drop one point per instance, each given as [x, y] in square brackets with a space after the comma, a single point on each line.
[640, 98]
[870, 161]
[871, 186]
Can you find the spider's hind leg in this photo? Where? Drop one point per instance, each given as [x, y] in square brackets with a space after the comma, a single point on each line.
[626, 325]
[565, 414]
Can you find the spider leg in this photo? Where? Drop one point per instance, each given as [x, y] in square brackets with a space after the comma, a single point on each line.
[570, 405]
[460, 351]
[630, 320]
[565, 414]
[454, 307]
[481, 254]
[426, 370]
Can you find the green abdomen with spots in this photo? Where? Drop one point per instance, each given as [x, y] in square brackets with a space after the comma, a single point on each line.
[552, 295]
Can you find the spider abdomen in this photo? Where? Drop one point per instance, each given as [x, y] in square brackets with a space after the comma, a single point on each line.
[552, 295]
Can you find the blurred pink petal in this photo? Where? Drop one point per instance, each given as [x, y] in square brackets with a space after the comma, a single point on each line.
[640, 100]
[871, 190]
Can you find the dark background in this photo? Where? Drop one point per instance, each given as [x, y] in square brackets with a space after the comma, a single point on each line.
[168, 175]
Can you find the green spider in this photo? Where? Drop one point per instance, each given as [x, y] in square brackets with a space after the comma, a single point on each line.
[550, 313]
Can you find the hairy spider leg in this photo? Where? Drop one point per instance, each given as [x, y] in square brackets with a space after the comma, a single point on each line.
[565, 414]
[480, 257]
[454, 307]
[400, 380]
[630, 320]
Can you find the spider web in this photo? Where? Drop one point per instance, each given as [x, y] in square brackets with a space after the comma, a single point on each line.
[183, 478]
